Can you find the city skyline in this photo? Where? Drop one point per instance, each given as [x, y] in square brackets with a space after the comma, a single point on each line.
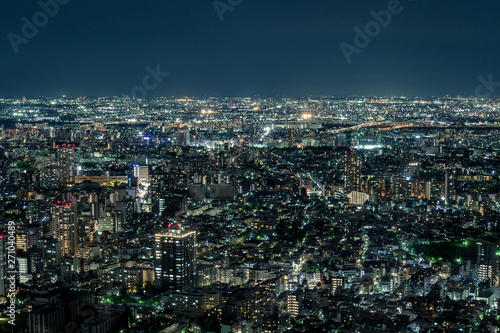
[250, 166]
[249, 214]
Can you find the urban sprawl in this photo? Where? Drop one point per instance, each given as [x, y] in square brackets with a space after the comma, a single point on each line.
[251, 215]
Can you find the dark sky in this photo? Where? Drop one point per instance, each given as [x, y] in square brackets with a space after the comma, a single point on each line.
[263, 47]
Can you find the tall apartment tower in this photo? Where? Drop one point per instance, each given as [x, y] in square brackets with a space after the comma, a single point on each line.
[352, 171]
[448, 187]
[65, 228]
[175, 258]
[486, 261]
[65, 152]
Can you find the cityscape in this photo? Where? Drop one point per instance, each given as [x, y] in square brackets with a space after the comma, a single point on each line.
[326, 214]
[250, 166]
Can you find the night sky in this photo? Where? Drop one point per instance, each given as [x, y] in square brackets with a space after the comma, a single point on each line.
[263, 47]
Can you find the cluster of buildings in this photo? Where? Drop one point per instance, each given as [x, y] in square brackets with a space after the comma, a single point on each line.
[251, 215]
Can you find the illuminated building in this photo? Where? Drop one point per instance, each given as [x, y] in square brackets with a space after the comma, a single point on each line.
[421, 188]
[352, 181]
[183, 136]
[64, 222]
[486, 261]
[141, 172]
[50, 249]
[448, 188]
[66, 160]
[401, 187]
[174, 258]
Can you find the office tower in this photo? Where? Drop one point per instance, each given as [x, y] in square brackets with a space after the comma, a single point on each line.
[486, 261]
[352, 172]
[3, 264]
[174, 258]
[65, 229]
[141, 172]
[183, 136]
[66, 161]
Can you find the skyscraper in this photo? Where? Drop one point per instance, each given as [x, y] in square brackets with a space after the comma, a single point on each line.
[486, 261]
[174, 258]
[66, 161]
[64, 227]
[352, 172]
[183, 136]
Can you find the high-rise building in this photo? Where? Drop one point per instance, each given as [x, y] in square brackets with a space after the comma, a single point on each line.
[352, 172]
[486, 261]
[65, 228]
[448, 187]
[175, 258]
[50, 253]
[141, 172]
[183, 136]
[66, 161]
